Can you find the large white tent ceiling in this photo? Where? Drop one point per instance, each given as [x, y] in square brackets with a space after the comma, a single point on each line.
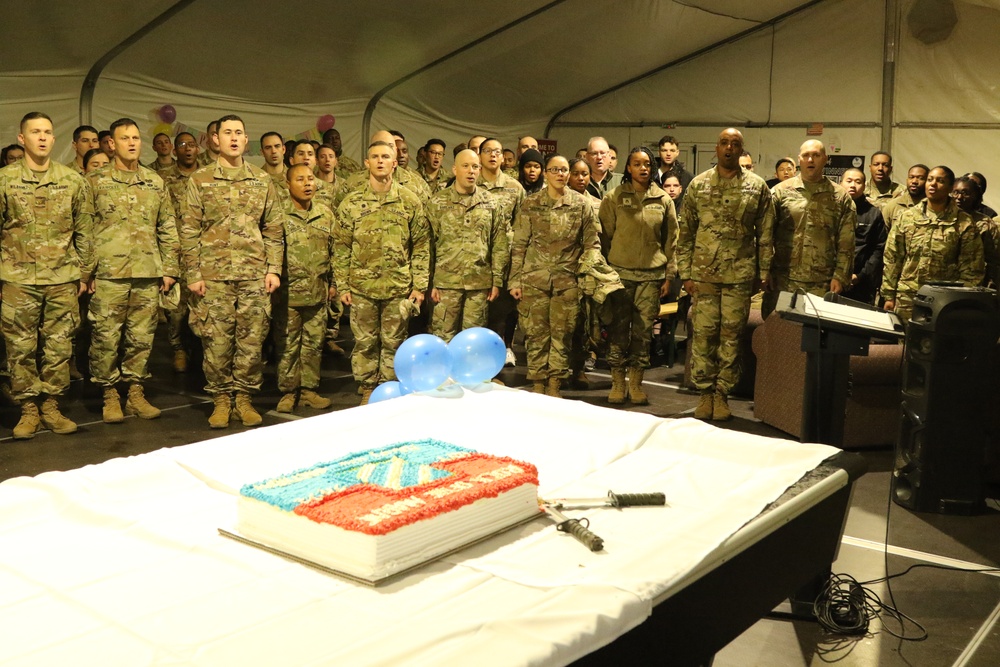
[568, 68]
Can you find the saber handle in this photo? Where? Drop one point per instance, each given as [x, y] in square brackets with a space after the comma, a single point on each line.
[636, 499]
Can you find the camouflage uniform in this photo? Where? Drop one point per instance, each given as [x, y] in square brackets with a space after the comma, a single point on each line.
[550, 237]
[438, 182]
[300, 303]
[895, 207]
[989, 232]
[381, 254]
[924, 246]
[725, 243]
[638, 236]
[347, 166]
[175, 182]
[470, 257]
[45, 250]
[405, 178]
[230, 238]
[328, 194]
[814, 231]
[879, 198]
[75, 167]
[509, 194]
[160, 169]
[136, 245]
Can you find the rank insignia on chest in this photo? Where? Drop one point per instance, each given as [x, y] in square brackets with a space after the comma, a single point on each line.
[627, 202]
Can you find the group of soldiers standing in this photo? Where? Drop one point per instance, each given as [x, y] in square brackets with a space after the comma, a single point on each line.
[237, 251]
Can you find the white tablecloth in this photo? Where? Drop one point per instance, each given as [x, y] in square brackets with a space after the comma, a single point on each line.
[122, 564]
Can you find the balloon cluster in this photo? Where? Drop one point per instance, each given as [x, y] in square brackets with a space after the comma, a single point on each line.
[325, 122]
[425, 362]
[167, 115]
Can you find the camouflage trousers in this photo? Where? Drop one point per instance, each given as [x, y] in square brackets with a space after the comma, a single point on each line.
[720, 316]
[548, 318]
[904, 305]
[336, 311]
[232, 320]
[458, 310]
[298, 340]
[176, 319]
[39, 314]
[782, 284]
[379, 327]
[633, 312]
[123, 316]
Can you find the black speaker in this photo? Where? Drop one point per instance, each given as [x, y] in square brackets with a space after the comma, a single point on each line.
[951, 344]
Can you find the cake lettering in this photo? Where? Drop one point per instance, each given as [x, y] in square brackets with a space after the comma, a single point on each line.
[380, 514]
[499, 473]
[443, 491]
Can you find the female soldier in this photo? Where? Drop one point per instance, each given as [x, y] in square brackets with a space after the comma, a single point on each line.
[934, 240]
[552, 231]
[638, 236]
[529, 173]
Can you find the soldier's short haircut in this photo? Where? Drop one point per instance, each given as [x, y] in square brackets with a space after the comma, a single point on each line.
[877, 153]
[322, 146]
[80, 130]
[122, 122]
[397, 134]
[947, 172]
[102, 134]
[381, 143]
[33, 115]
[208, 128]
[508, 150]
[979, 177]
[970, 183]
[861, 173]
[161, 134]
[439, 142]
[666, 139]
[270, 134]
[230, 117]
[301, 142]
[920, 165]
[627, 177]
[177, 139]
[492, 139]
[458, 149]
[288, 172]
[777, 165]
[328, 135]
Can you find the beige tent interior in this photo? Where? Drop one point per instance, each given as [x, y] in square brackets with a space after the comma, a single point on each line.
[915, 77]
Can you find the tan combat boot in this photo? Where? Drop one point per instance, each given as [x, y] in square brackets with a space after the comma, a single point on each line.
[313, 400]
[245, 410]
[721, 411]
[635, 392]
[538, 386]
[112, 411]
[617, 394]
[29, 423]
[54, 420]
[180, 361]
[704, 409]
[552, 387]
[220, 415]
[136, 404]
[287, 403]
[333, 347]
[366, 393]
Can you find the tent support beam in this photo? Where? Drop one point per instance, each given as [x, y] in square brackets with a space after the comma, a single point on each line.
[90, 82]
[889, 71]
[714, 123]
[373, 102]
[683, 59]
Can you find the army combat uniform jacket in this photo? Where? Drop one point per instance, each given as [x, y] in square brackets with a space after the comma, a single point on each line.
[813, 232]
[135, 230]
[308, 254]
[382, 243]
[230, 225]
[639, 232]
[470, 240]
[45, 226]
[726, 228]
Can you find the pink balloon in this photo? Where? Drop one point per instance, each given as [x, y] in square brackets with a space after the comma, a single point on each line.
[325, 122]
[168, 113]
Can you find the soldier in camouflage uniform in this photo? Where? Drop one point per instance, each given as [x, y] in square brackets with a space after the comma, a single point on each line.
[509, 194]
[135, 242]
[934, 240]
[968, 194]
[381, 263]
[403, 177]
[814, 228]
[638, 237]
[272, 147]
[46, 259]
[470, 250]
[326, 171]
[211, 153]
[916, 181]
[345, 164]
[306, 286]
[881, 188]
[175, 180]
[724, 247]
[84, 140]
[231, 253]
[553, 230]
[432, 171]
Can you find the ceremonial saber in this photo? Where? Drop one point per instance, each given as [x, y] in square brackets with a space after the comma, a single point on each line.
[581, 529]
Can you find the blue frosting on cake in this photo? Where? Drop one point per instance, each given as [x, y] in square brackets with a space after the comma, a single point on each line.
[396, 466]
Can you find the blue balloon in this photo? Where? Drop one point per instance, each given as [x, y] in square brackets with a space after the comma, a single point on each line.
[422, 362]
[385, 391]
[477, 355]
